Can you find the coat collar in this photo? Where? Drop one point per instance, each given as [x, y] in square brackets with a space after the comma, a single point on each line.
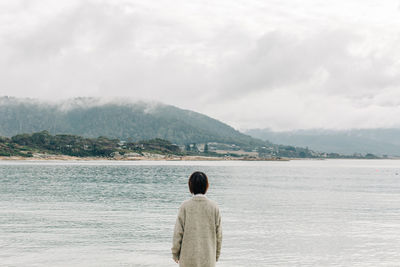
[199, 196]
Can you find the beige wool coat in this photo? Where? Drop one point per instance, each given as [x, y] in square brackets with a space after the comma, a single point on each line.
[198, 234]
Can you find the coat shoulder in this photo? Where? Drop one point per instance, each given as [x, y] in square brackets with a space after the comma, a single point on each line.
[213, 203]
[185, 203]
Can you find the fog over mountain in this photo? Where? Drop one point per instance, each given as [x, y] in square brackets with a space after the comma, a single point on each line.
[378, 141]
[93, 117]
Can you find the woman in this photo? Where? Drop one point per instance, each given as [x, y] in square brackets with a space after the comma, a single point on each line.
[198, 233]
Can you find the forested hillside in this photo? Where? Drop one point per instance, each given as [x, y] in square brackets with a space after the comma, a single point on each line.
[26, 145]
[126, 121]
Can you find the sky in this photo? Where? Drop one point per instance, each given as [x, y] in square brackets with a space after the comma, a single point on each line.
[278, 64]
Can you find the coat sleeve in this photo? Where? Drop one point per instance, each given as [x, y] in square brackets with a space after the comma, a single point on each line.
[219, 234]
[178, 234]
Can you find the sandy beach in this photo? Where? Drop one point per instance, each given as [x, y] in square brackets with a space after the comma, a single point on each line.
[147, 157]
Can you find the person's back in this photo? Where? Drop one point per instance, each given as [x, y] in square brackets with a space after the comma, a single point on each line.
[197, 235]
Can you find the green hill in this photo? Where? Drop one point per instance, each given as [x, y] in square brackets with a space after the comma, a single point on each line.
[87, 117]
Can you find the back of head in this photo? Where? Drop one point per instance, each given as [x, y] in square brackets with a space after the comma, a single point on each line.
[198, 183]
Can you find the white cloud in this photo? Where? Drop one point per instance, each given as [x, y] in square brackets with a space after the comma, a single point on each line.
[279, 64]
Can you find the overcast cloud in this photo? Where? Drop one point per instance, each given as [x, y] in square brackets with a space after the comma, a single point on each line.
[283, 64]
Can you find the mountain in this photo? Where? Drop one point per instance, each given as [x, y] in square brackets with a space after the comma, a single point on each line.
[377, 141]
[91, 117]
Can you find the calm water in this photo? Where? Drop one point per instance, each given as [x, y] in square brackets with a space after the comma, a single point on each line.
[297, 213]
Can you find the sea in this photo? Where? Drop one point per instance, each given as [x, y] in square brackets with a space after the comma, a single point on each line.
[274, 213]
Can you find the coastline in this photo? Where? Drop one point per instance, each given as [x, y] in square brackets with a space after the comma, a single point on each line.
[155, 157]
[152, 157]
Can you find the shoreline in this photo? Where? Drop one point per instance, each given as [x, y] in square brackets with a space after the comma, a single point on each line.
[155, 157]
[158, 157]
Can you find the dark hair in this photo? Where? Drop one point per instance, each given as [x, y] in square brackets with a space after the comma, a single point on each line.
[198, 183]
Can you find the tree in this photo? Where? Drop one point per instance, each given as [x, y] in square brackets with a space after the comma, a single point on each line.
[187, 147]
[206, 148]
[195, 148]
